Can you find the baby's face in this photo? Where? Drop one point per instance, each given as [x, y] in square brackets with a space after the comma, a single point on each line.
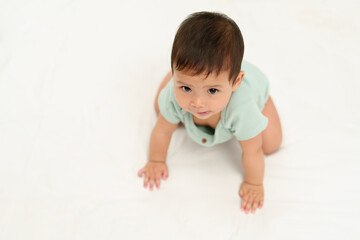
[204, 97]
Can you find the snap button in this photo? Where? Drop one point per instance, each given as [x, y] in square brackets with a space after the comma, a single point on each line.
[204, 140]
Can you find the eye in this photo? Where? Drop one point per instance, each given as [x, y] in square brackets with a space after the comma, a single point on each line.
[186, 89]
[212, 91]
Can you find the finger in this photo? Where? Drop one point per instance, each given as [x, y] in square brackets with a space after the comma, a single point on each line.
[151, 183]
[158, 175]
[261, 204]
[254, 206]
[241, 193]
[248, 204]
[243, 202]
[146, 180]
[157, 179]
[140, 172]
[247, 207]
[165, 174]
[157, 183]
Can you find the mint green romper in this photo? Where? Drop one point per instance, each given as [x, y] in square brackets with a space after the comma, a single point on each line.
[242, 118]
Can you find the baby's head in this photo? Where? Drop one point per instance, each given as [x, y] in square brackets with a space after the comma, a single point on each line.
[206, 61]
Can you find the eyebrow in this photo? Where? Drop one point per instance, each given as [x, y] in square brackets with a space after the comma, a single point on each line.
[207, 86]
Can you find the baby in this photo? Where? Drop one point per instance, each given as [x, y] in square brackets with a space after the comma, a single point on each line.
[207, 91]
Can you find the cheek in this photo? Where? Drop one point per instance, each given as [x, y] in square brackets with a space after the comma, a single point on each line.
[181, 100]
[222, 102]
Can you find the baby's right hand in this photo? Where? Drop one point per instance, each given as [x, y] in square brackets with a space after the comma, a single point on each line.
[153, 172]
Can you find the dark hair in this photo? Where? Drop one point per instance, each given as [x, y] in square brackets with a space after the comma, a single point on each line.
[207, 42]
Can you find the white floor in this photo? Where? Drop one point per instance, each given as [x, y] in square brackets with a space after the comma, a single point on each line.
[77, 83]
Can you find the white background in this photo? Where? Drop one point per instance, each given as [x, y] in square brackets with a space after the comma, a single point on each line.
[77, 84]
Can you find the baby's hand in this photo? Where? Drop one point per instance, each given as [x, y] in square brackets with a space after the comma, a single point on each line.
[153, 172]
[252, 197]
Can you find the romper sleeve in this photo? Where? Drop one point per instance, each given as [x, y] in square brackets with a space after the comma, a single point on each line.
[248, 121]
[168, 106]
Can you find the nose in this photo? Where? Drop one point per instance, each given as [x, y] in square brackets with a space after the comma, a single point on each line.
[197, 102]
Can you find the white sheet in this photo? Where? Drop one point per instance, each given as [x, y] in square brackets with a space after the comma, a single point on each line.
[77, 83]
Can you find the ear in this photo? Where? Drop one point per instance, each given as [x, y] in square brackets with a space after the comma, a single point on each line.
[238, 80]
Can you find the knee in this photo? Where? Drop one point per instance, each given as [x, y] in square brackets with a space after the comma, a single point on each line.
[269, 151]
[271, 148]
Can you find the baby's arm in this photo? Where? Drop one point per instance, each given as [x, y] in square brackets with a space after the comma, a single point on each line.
[252, 190]
[160, 139]
[159, 143]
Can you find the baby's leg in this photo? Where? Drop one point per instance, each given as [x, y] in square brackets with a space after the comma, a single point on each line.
[272, 135]
[166, 79]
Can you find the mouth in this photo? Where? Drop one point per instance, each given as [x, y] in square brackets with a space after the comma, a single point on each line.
[202, 114]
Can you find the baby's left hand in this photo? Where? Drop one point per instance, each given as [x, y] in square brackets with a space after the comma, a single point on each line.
[252, 197]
